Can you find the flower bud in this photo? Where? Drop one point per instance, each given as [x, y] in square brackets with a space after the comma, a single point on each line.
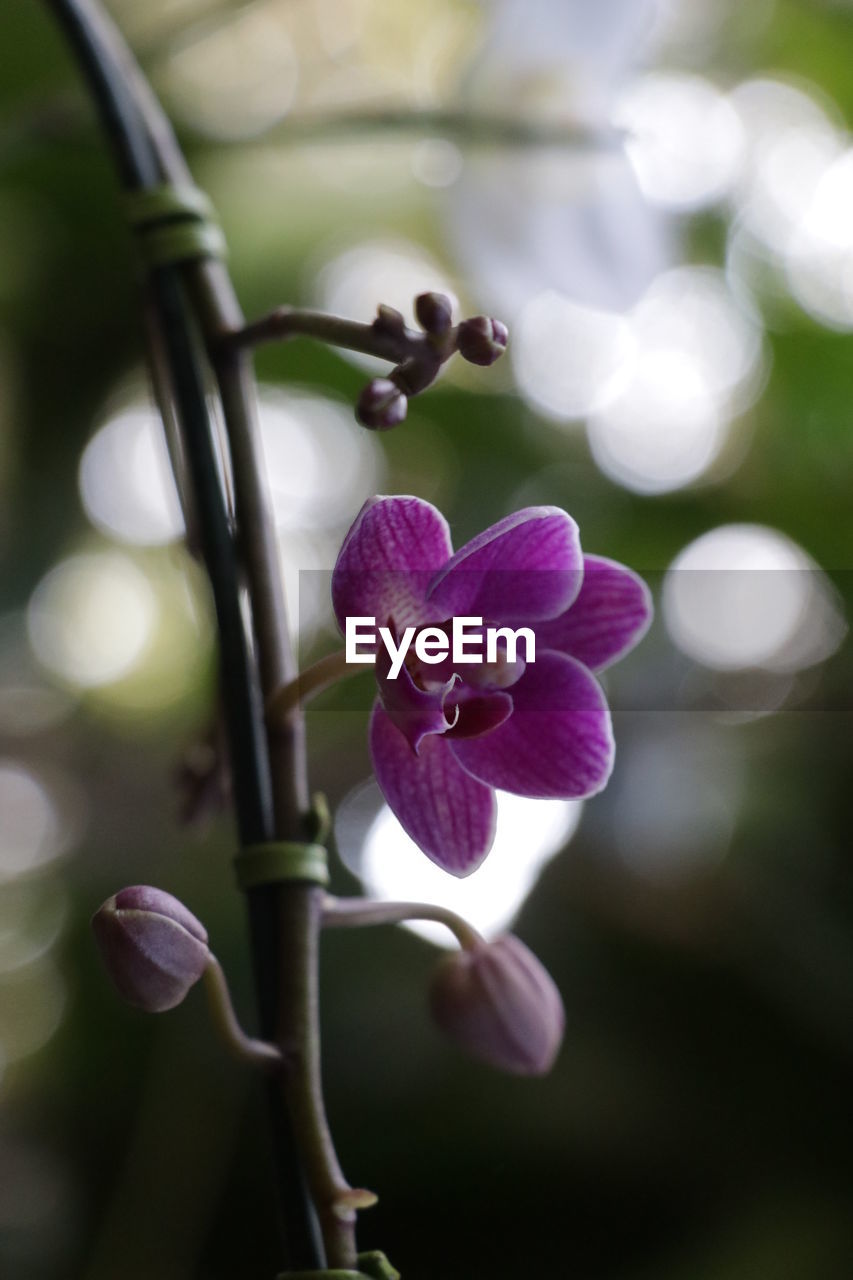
[482, 340]
[434, 312]
[500, 1005]
[381, 405]
[153, 947]
[389, 321]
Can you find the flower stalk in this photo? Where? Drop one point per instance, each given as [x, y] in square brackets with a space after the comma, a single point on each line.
[353, 913]
[270, 782]
[310, 682]
[257, 1053]
[417, 357]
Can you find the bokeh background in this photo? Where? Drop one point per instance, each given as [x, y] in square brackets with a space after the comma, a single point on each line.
[658, 199]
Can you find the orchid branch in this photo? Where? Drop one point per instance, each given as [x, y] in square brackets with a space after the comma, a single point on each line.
[321, 675]
[417, 357]
[351, 913]
[469, 128]
[258, 1053]
[270, 776]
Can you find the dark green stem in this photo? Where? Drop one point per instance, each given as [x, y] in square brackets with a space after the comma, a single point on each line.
[269, 803]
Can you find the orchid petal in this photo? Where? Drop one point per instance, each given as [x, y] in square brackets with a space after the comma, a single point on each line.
[387, 560]
[558, 742]
[524, 568]
[447, 812]
[611, 614]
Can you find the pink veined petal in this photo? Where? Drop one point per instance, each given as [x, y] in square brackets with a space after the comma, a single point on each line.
[387, 560]
[416, 712]
[558, 741]
[448, 813]
[525, 568]
[612, 613]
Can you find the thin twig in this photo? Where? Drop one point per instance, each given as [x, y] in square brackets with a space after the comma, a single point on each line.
[469, 127]
[373, 339]
[258, 1053]
[351, 913]
[321, 675]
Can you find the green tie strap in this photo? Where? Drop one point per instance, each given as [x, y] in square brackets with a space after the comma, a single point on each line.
[275, 861]
[281, 860]
[174, 224]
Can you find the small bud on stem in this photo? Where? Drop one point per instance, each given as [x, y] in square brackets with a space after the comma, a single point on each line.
[416, 357]
[482, 340]
[155, 950]
[434, 312]
[381, 405]
[498, 1003]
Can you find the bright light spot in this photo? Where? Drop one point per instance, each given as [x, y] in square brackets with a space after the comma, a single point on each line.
[819, 259]
[301, 432]
[91, 618]
[126, 480]
[692, 309]
[393, 272]
[237, 77]
[666, 429]
[746, 596]
[676, 801]
[569, 359]
[770, 109]
[392, 867]
[684, 139]
[827, 216]
[31, 830]
[436, 162]
[790, 142]
[696, 361]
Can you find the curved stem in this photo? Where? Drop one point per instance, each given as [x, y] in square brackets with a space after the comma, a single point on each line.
[270, 776]
[283, 918]
[471, 128]
[258, 1053]
[300, 912]
[369, 339]
[321, 675]
[350, 913]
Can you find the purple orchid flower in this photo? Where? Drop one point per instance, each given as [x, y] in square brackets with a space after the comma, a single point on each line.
[444, 735]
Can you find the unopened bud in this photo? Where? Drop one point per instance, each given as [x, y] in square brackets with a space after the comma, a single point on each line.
[154, 949]
[389, 320]
[501, 1005]
[381, 405]
[434, 312]
[482, 340]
